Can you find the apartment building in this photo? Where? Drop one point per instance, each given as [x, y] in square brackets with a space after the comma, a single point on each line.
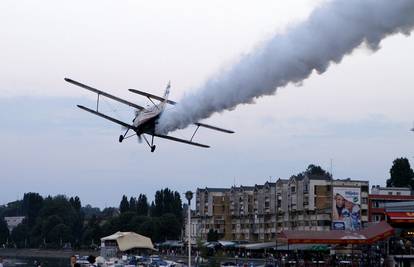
[256, 213]
[212, 211]
[381, 196]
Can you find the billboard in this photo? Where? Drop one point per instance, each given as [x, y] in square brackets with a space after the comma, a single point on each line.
[346, 208]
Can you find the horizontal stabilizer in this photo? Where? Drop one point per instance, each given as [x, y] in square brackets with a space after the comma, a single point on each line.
[213, 127]
[151, 96]
[106, 117]
[99, 92]
[180, 140]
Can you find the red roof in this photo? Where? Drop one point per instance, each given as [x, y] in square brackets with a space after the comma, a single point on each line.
[374, 232]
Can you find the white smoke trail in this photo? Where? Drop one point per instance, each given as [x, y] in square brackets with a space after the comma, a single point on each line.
[332, 31]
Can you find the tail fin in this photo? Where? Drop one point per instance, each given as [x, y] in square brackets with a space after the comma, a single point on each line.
[166, 94]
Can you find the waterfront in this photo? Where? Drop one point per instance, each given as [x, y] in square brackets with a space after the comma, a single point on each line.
[32, 262]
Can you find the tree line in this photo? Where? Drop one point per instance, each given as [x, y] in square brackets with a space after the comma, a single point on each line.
[60, 221]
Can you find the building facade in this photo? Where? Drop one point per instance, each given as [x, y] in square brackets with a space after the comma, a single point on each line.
[382, 196]
[256, 213]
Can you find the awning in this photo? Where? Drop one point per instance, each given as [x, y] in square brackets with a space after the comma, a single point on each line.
[401, 217]
[129, 240]
[259, 246]
[372, 233]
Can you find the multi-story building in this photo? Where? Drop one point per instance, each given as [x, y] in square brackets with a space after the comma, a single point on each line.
[256, 213]
[212, 211]
[241, 211]
[381, 196]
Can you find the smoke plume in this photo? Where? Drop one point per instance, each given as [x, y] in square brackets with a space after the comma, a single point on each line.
[332, 31]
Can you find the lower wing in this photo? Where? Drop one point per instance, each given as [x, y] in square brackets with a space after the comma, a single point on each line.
[180, 140]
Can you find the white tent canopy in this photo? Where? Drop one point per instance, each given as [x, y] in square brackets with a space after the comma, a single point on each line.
[129, 240]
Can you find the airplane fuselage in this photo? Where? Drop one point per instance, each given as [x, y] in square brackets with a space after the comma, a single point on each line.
[146, 120]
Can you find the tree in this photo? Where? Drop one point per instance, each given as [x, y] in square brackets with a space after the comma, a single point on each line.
[315, 170]
[142, 205]
[31, 206]
[89, 211]
[212, 236]
[167, 201]
[92, 232]
[76, 203]
[401, 174]
[124, 205]
[170, 227]
[20, 235]
[132, 204]
[59, 235]
[4, 232]
[109, 212]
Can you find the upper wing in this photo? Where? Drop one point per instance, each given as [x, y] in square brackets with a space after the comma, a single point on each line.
[180, 140]
[99, 92]
[151, 96]
[106, 117]
[213, 127]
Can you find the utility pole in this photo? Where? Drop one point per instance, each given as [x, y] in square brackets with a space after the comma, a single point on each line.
[189, 196]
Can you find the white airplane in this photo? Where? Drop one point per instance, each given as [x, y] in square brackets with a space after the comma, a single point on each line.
[145, 119]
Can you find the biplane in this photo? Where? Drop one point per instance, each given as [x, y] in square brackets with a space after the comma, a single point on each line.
[145, 119]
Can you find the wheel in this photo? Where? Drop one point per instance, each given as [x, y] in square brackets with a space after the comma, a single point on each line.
[121, 138]
[153, 148]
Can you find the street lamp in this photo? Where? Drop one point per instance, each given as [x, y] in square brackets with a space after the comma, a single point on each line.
[189, 196]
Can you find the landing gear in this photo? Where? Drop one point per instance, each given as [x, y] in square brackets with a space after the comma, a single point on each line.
[152, 146]
[122, 136]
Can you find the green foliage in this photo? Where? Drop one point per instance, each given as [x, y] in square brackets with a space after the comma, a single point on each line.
[133, 204]
[401, 174]
[212, 236]
[53, 221]
[124, 205]
[170, 227]
[76, 203]
[88, 211]
[92, 232]
[20, 235]
[109, 212]
[31, 206]
[315, 170]
[142, 205]
[13, 209]
[167, 201]
[4, 232]
[59, 235]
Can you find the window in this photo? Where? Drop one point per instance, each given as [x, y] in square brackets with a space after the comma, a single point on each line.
[293, 189]
[398, 193]
[389, 193]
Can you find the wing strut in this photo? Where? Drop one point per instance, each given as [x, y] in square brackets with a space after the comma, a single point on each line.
[126, 125]
[198, 126]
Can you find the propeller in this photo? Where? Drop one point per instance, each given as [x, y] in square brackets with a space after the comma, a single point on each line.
[139, 138]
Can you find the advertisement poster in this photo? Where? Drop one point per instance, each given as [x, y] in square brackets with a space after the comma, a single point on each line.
[346, 212]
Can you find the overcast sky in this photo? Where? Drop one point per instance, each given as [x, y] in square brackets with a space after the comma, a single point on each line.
[358, 113]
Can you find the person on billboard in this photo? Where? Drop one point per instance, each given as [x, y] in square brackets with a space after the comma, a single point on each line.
[339, 206]
[356, 217]
[346, 214]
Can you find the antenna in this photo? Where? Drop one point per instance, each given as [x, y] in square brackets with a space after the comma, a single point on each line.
[331, 167]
